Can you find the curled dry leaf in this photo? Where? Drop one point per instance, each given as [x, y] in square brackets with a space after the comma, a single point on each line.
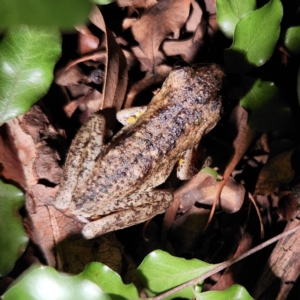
[202, 188]
[187, 49]
[210, 6]
[11, 168]
[107, 67]
[160, 21]
[145, 4]
[87, 42]
[145, 62]
[277, 173]
[115, 83]
[194, 18]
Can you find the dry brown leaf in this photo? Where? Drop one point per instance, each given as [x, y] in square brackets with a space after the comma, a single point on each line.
[213, 26]
[10, 163]
[202, 189]
[145, 62]
[277, 173]
[87, 42]
[164, 18]
[194, 18]
[115, 83]
[114, 79]
[210, 6]
[188, 48]
[136, 3]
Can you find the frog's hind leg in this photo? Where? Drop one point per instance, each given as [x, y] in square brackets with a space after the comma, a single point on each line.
[85, 148]
[147, 205]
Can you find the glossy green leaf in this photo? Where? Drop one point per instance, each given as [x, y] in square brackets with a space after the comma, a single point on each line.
[27, 59]
[103, 2]
[45, 283]
[235, 292]
[64, 14]
[213, 173]
[13, 239]
[110, 282]
[255, 37]
[229, 12]
[292, 39]
[267, 111]
[160, 271]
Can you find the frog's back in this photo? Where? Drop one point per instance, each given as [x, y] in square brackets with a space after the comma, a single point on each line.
[143, 156]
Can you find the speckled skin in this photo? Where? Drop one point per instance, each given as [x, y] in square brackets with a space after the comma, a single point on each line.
[121, 176]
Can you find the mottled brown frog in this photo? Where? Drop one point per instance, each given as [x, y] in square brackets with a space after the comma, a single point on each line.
[116, 182]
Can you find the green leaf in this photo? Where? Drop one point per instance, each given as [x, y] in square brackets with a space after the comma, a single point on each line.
[160, 271]
[235, 292]
[229, 12]
[64, 14]
[27, 59]
[45, 283]
[292, 39]
[13, 239]
[255, 37]
[103, 2]
[213, 173]
[267, 111]
[109, 281]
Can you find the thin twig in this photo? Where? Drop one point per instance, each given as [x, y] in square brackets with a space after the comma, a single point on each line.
[262, 230]
[226, 264]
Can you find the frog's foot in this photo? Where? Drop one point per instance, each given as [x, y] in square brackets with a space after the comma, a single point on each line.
[130, 115]
[150, 204]
[81, 158]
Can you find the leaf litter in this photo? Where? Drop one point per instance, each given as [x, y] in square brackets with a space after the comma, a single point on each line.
[120, 64]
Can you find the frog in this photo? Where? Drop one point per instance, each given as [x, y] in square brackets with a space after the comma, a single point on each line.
[111, 186]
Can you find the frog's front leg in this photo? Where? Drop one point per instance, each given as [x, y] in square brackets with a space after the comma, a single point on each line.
[188, 164]
[146, 206]
[85, 148]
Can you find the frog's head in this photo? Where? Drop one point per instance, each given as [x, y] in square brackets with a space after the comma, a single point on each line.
[198, 78]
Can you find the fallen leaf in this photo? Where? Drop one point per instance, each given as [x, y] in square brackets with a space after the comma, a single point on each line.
[87, 42]
[195, 17]
[97, 56]
[115, 83]
[202, 189]
[188, 48]
[277, 173]
[164, 18]
[136, 3]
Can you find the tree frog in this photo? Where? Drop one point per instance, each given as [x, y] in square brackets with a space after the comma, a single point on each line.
[112, 186]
